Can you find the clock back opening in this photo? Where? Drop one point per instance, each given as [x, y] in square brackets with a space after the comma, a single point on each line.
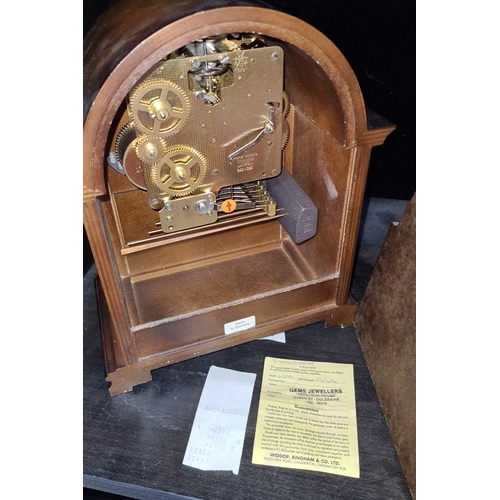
[225, 158]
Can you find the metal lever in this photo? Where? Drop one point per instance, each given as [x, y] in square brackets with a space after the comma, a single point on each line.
[267, 129]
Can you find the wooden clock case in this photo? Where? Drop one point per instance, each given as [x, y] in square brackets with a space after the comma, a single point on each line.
[165, 302]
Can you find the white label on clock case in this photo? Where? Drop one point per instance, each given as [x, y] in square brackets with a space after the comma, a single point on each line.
[239, 325]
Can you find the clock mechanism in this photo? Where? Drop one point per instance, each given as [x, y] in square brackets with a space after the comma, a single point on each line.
[203, 130]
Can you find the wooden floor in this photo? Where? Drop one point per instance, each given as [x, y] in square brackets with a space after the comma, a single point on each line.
[134, 443]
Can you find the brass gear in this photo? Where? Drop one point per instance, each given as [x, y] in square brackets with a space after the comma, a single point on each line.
[150, 149]
[180, 171]
[286, 105]
[159, 108]
[124, 138]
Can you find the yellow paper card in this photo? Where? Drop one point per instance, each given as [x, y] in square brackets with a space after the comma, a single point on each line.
[307, 417]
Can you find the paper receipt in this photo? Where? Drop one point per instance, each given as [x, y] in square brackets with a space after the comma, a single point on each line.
[218, 432]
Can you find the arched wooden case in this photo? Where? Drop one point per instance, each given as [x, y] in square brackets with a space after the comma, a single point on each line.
[172, 297]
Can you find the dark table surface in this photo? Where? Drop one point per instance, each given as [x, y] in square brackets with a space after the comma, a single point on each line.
[134, 444]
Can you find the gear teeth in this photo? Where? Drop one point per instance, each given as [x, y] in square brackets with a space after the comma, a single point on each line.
[125, 137]
[286, 105]
[179, 188]
[158, 143]
[147, 125]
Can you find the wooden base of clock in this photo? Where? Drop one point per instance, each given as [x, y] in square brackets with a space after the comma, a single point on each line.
[124, 378]
[168, 298]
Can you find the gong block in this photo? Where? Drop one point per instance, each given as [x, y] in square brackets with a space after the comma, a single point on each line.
[166, 299]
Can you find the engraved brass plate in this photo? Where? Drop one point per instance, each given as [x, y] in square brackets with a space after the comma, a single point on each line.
[250, 98]
[208, 116]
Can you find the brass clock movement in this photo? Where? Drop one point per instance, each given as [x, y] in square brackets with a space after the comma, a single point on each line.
[226, 149]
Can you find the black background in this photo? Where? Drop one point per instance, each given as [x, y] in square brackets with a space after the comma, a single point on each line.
[378, 39]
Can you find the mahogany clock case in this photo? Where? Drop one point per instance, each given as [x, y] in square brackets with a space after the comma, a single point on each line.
[167, 298]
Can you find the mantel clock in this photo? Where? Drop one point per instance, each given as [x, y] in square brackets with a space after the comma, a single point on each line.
[226, 149]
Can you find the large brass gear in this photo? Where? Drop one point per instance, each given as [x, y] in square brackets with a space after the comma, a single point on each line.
[159, 108]
[181, 170]
[150, 149]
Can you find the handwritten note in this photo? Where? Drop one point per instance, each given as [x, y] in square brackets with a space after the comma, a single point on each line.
[307, 417]
[218, 432]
